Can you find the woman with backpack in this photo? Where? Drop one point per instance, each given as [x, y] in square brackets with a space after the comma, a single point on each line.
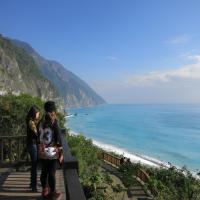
[49, 148]
[32, 137]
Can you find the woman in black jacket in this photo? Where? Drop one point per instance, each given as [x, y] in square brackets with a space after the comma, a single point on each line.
[49, 148]
[32, 138]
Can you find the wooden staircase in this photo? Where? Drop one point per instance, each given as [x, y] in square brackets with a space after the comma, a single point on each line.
[136, 192]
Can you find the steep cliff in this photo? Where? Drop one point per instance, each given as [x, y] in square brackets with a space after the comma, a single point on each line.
[19, 73]
[23, 70]
[71, 88]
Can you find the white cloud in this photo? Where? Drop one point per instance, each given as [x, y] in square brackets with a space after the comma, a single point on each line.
[186, 72]
[194, 57]
[111, 58]
[169, 86]
[181, 39]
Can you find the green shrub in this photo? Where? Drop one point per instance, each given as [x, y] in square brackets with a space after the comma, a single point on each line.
[13, 111]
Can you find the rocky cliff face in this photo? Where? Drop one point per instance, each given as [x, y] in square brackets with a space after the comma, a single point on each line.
[20, 74]
[71, 88]
[23, 70]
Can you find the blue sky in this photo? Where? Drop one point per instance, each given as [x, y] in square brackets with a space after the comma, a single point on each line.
[131, 51]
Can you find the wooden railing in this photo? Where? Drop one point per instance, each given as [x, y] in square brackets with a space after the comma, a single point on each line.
[73, 187]
[12, 149]
[112, 159]
[115, 160]
[142, 175]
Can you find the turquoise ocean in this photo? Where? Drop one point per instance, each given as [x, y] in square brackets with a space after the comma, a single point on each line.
[169, 133]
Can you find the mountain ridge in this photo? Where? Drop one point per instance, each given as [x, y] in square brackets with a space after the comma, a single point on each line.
[63, 84]
[74, 90]
[20, 74]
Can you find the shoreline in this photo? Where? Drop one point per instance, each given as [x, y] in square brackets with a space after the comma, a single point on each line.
[134, 157]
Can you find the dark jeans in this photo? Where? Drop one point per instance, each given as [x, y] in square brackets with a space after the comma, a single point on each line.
[48, 174]
[32, 149]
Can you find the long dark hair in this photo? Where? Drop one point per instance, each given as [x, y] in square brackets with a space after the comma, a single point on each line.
[49, 118]
[32, 113]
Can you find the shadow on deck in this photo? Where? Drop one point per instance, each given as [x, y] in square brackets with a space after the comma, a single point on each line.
[15, 185]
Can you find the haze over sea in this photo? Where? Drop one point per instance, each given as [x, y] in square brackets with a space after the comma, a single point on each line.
[167, 132]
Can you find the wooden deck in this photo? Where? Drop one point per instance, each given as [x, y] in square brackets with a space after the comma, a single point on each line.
[15, 186]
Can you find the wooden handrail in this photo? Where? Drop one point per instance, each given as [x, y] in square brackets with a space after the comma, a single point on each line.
[114, 160]
[142, 175]
[11, 136]
[73, 187]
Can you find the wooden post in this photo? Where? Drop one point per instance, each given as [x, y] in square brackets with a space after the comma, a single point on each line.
[10, 150]
[2, 150]
[18, 150]
[10, 147]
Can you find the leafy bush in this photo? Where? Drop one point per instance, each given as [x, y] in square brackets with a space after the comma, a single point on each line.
[127, 171]
[174, 184]
[87, 155]
[13, 111]
[95, 181]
